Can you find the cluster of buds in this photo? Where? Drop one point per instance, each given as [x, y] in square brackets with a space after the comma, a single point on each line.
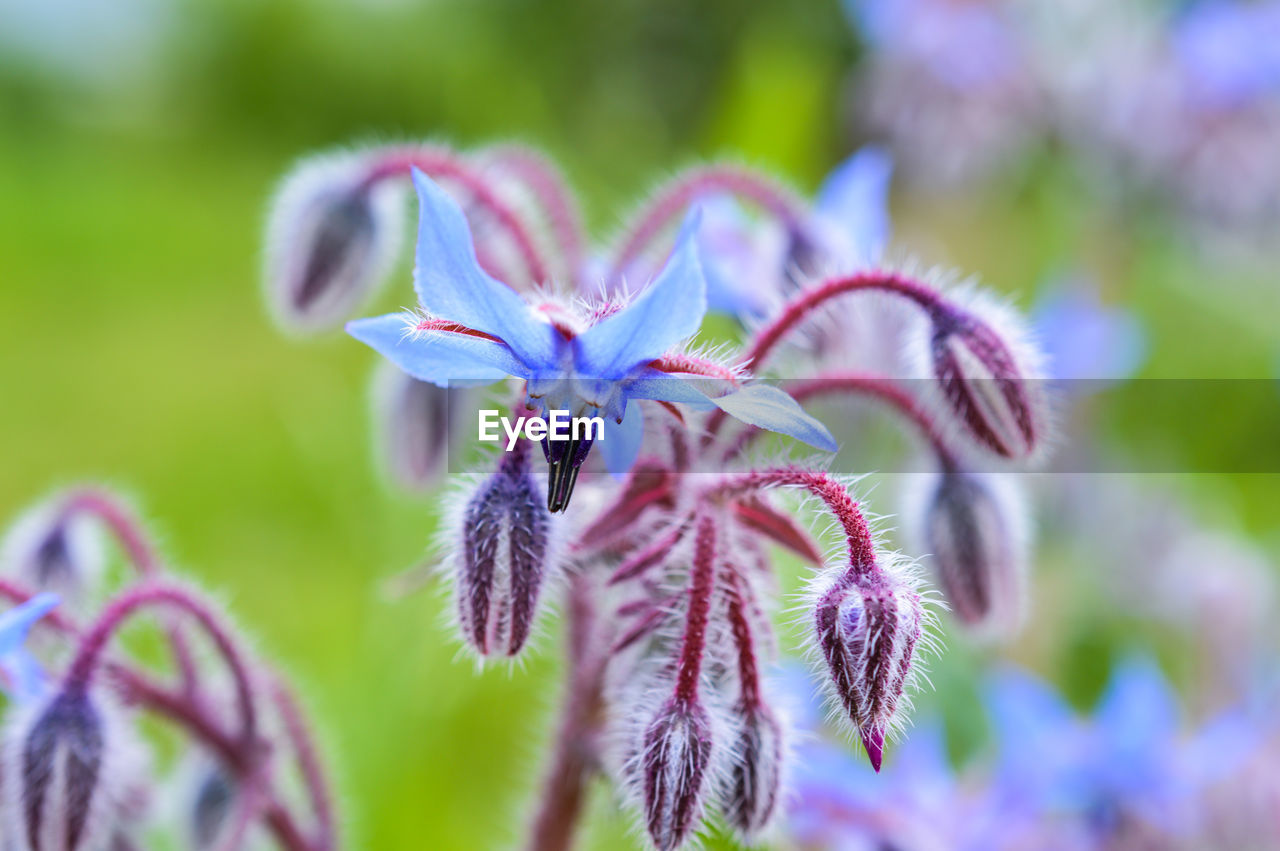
[665, 567]
[75, 773]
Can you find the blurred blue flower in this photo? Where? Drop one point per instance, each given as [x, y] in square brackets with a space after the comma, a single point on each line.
[481, 329]
[747, 264]
[1082, 337]
[965, 45]
[1128, 761]
[20, 674]
[1229, 50]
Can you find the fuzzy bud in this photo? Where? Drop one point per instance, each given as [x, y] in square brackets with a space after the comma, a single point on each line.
[52, 550]
[988, 381]
[504, 558]
[974, 529]
[868, 624]
[331, 238]
[214, 795]
[675, 762]
[755, 771]
[417, 420]
[60, 754]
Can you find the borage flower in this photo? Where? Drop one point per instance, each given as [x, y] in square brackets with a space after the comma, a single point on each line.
[21, 676]
[587, 362]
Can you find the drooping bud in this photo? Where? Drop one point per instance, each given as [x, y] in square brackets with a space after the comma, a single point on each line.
[215, 792]
[59, 800]
[565, 459]
[868, 625]
[975, 530]
[675, 760]
[332, 235]
[755, 771]
[51, 549]
[989, 378]
[504, 558]
[418, 422]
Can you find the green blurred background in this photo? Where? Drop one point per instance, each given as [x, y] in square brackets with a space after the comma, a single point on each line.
[139, 141]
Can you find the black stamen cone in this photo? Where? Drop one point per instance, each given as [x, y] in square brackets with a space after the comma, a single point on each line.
[565, 458]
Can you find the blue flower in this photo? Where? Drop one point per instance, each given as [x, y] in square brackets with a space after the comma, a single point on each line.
[586, 363]
[1230, 51]
[20, 674]
[1129, 760]
[1082, 337]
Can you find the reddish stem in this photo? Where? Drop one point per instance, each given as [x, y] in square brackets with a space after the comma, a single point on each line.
[748, 672]
[689, 665]
[676, 196]
[550, 189]
[443, 164]
[313, 776]
[810, 299]
[834, 495]
[94, 642]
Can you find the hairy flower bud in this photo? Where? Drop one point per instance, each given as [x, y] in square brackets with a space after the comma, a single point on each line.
[755, 771]
[331, 238]
[418, 422]
[989, 378]
[868, 624]
[52, 550]
[974, 529]
[58, 801]
[675, 761]
[504, 558]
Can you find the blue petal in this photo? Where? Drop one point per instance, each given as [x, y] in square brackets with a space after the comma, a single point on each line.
[621, 444]
[438, 357]
[664, 387]
[668, 311]
[27, 678]
[1138, 712]
[765, 406]
[452, 286]
[17, 622]
[855, 198]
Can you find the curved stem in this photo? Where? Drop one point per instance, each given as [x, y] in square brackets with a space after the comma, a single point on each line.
[238, 754]
[548, 186]
[672, 200]
[748, 670]
[808, 300]
[313, 776]
[440, 163]
[94, 642]
[834, 496]
[877, 387]
[128, 530]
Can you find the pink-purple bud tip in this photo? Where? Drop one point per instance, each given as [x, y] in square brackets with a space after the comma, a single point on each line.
[677, 752]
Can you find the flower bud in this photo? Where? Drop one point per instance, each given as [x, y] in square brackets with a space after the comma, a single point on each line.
[755, 771]
[974, 529]
[51, 550]
[989, 378]
[868, 625]
[59, 798]
[504, 558]
[675, 762]
[331, 238]
[418, 421]
[214, 795]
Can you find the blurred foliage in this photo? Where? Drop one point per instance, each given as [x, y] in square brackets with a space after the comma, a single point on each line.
[134, 348]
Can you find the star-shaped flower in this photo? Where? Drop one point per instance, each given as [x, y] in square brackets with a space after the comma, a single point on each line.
[587, 361]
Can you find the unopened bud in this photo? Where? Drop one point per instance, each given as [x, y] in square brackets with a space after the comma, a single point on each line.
[331, 238]
[418, 423]
[974, 528]
[989, 378]
[59, 800]
[504, 558]
[755, 771]
[868, 626]
[52, 550]
[675, 761]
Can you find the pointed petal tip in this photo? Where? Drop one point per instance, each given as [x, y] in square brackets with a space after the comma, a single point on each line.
[873, 741]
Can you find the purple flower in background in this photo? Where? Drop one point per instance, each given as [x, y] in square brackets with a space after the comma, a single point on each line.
[1082, 337]
[1229, 51]
[20, 674]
